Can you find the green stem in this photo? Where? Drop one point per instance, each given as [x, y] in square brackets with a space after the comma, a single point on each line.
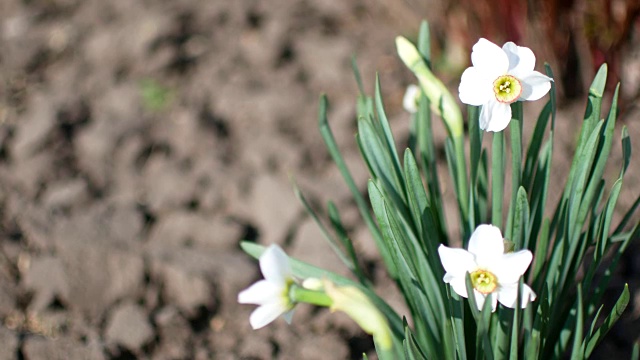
[461, 173]
[299, 294]
[516, 163]
[497, 178]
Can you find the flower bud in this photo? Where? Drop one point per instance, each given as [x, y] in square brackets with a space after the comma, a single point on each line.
[433, 88]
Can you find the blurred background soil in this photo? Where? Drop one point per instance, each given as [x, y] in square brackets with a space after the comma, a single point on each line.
[140, 141]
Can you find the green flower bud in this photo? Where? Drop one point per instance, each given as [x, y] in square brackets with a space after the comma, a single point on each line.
[433, 88]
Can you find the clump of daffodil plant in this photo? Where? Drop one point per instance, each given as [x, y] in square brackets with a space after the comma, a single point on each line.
[525, 281]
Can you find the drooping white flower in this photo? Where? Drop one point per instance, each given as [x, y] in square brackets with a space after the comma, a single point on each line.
[272, 293]
[499, 77]
[410, 99]
[492, 270]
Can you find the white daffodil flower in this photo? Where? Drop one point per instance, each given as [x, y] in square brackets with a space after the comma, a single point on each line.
[499, 77]
[410, 99]
[492, 270]
[272, 293]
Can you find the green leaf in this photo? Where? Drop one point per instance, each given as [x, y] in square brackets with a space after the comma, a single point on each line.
[577, 349]
[456, 321]
[615, 314]
[428, 162]
[586, 158]
[600, 159]
[540, 191]
[462, 185]
[533, 152]
[520, 231]
[530, 340]
[596, 91]
[573, 223]
[552, 97]
[627, 216]
[363, 207]
[603, 232]
[356, 74]
[591, 117]
[483, 320]
[381, 163]
[417, 196]
[626, 157]
[327, 236]
[534, 342]
[475, 139]
[483, 331]
[540, 258]
[626, 149]
[457, 172]
[386, 130]
[604, 280]
[497, 178]
[501, 333]
[514, 351]
[595, 321]
[599, 81]
[515, 127]
[424, 43]
[424, 235]
[341, 232]
[482, 186]
[416, 280]
[411, 348]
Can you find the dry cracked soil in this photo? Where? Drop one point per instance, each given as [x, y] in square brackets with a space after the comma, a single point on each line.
[141, 141]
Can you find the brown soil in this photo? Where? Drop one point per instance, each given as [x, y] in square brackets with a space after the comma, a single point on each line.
[141, 141]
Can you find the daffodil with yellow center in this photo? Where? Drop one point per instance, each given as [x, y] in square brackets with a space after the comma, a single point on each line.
[499, 77]
[492, 270]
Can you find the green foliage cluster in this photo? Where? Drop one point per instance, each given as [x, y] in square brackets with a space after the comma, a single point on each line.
[406, 217]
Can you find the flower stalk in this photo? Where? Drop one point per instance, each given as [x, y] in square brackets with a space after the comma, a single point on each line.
[444, 105]
[299, 294]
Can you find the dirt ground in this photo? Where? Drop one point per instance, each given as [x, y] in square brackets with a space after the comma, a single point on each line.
[140, 141]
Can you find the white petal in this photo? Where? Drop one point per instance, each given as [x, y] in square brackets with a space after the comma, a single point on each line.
[275, 266]
[489, 58]
[265, 314]
[456, 262]
[495, 116]
[262, 292]
[480, 299]
[409, 102]
[494, 302]
[511, 266]
[521, 59]
[458, 284]
[534, 86]
[528, 292]
[508, 295]
[487, 245]
[475, 87]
